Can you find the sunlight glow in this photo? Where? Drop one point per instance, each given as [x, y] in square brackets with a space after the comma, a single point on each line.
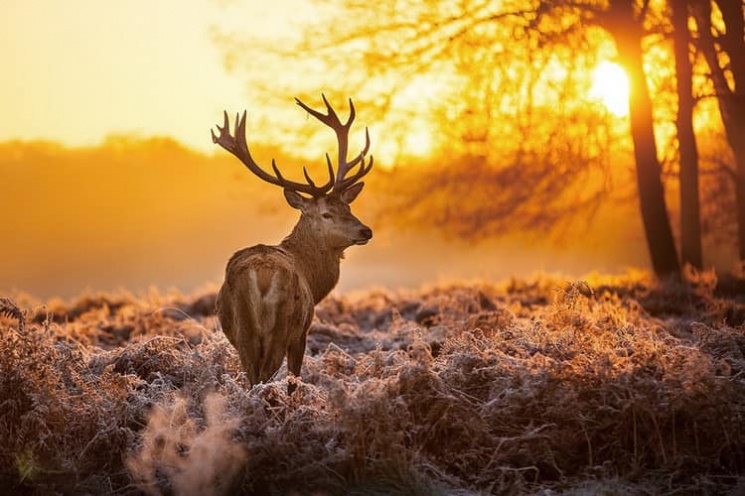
[418, 143]
[150, 61]
[610, 86]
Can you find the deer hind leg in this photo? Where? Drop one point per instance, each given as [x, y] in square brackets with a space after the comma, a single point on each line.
[271, 361]
[295, 354]
[279, 323]
[251, 366]
[226, 313]
[233, 313]
[266, 293]
[302, 307]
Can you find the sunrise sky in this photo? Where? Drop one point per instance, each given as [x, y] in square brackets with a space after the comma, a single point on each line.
[80, 70]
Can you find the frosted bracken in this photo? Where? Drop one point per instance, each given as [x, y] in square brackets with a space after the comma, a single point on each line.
[610, 385]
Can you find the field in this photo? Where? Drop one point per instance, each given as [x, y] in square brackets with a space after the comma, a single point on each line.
[607, 385]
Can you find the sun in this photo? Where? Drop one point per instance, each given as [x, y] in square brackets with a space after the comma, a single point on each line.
[610, 86]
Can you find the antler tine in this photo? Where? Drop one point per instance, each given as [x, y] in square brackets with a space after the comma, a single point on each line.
[342, 182]
[240, 130]
[352, 114]
[331, 119]
[225, 125]
[236, 144]
[307, 177]
[348, 182]
[332, 114]
[362, 154]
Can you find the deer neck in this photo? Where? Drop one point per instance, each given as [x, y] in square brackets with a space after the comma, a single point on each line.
[315, 261]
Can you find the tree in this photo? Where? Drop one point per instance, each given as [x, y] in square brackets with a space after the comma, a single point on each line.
[504, 64]
[690, 215]
[721, 38]
[624, 20]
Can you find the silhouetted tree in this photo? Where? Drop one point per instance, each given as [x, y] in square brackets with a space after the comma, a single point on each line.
[624, 19]
[723, 46]
[690, 216]
[503, 62]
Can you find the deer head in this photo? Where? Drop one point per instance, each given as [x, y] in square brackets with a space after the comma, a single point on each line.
[324, 208]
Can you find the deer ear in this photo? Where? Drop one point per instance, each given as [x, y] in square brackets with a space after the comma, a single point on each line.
[350, 194]
[295, 199]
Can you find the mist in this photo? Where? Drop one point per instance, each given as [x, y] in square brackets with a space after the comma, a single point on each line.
[135, 214]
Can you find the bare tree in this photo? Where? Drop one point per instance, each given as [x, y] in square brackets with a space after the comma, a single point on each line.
[624, 19]
[690, 210]
[503, 63]
[723, 46]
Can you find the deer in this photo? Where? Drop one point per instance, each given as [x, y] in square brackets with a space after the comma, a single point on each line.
[266, 303]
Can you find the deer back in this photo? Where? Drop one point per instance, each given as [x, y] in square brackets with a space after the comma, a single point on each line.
[265, 295]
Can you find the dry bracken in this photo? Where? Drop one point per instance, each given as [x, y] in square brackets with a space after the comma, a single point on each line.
[619, 386]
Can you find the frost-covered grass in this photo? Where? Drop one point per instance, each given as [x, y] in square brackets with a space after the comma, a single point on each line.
[610, 385]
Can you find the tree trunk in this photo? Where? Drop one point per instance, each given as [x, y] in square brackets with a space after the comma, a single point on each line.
[690, 216]
[732, 104]
[627, 32]
[731, 99]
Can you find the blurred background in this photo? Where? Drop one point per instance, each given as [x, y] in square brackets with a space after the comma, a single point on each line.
[510, 137]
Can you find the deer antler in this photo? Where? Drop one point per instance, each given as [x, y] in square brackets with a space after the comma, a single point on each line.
[331, 119]
[236, 145]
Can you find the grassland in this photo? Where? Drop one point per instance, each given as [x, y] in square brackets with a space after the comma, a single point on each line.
[610, 385]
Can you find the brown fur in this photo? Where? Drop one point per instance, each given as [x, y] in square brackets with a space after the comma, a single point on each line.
[265, 305]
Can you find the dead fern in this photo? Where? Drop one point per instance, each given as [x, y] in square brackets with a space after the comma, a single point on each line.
[529, 387]
[9, 308]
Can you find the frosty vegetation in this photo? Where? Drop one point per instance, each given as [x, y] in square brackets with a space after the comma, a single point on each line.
[611, 385]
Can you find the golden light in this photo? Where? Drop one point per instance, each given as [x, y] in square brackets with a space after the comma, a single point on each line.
[610, 86]
[418, 142]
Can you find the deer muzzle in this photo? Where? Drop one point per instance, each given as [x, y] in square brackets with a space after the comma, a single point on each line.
[365, 235]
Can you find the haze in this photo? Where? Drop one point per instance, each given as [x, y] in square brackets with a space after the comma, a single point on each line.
[78, 71]
[110, 179]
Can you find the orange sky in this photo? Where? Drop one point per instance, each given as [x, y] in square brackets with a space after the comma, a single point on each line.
[77, 71]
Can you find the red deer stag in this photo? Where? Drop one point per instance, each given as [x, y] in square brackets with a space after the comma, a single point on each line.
[265, 305]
